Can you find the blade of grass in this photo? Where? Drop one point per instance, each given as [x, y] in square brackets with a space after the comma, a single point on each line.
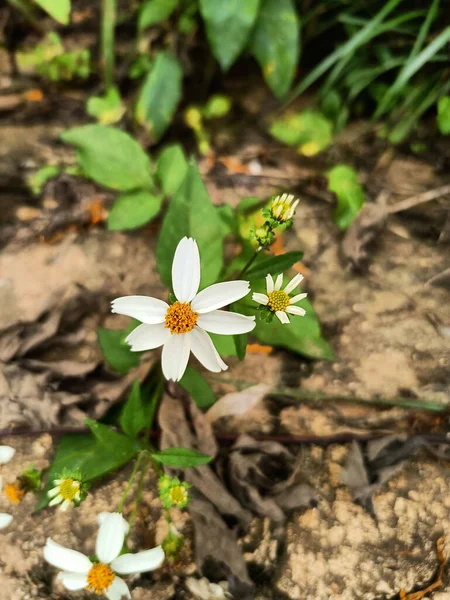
[355, 42]
[109, 9]
[410, 69]
[431, 16]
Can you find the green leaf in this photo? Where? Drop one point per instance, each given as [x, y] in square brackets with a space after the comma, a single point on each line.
[273, 265]
[191, 214]
[133, 417]
[302, 335]
[116, 351]
[110, 157]
[224, 344]
[181, 457]
[216, 107]
[198, 388]
[153, 12]
[240, 341]
[133, 209]
[228, 27]
[275, 43]
[443, 117]
[227, 219]
[37, 181]
[309, 130]
[160, 95]
[171, 168]
[57, 9]
[106, 109]
[343, 181]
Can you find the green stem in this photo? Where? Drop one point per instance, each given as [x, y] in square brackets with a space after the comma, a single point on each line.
[130, 483]
[108, 26]
[250, 262]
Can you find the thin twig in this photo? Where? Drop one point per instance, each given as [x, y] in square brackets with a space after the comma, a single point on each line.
[418, 199]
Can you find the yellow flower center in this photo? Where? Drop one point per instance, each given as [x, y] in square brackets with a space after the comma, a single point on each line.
[99, 578]
[69, 488]
[180, 318]
[278, 300]
[14, 493]
[178, 495]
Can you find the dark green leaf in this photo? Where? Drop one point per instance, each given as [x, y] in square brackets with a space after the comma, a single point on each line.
[228, 26]
[133, 418]
[191, 214]
[275, 43]
[110, 157]
[160, 95]
[153, 12]
[227, 219]
[171, 168]
[198, 388]
[343, 181]
[116, 351]
[181, 457]
[57, 9]
[273, 265]
[133, 209]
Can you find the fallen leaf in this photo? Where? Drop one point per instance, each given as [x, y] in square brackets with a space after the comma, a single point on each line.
[362, 232]
[237, 403]
[34, 95]
[234, 165]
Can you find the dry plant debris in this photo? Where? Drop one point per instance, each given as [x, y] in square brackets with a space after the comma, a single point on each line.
[442, 560]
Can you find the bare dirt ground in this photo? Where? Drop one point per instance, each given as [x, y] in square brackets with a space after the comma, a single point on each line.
[388, 326]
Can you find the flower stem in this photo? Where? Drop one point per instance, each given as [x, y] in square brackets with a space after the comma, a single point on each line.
[130, 483]
[250, 262]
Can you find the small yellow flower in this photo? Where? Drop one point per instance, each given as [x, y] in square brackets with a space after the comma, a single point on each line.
[66, 492]
[283, 208]
[278, 301]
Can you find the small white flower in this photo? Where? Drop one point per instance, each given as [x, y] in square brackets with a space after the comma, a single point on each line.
[181, 328]
[278, 300]
[66, 492]
[282, 208]
[79, 572]
[6, 454]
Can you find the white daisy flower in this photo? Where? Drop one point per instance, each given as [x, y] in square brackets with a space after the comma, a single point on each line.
[79, 572]
[66, 492]
[6, 454]
[283, 207]
[181, 328]
[278, 300]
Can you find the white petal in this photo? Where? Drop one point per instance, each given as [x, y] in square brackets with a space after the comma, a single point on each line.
[73, 581]
[204, 351]
[138, 563]
[110, 538]
[186, 270]
[293, 283]
[226, 323]
[1, 483]
[6, 454]
[118, 590]
[282, 316]
[269, 284]
[297, 298]
[5, 520]
[278, 282]
[175, 356]
[56, 500]
[148, 337]
[66, 505]
[219, 295]
[101, 517]
[66, 559]
[260, 298]
[296, 310]
[143, 308]
[53, 492]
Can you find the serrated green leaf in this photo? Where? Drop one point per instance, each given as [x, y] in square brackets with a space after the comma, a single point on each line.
[275, 43]
[133, 418]
[160, 95]
[273, 265]
[116, 351]
[198, 388]
[181, 457]
[110, 157]
[343, 181]
[228, 27]
[443, 116]
[133, 209]
[57, 9]
[191, 214]
[309, 130]
[153, 12]
[171, 168]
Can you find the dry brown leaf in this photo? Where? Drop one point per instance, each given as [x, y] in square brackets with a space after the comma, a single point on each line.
[234, 165]
[237, 403]
[442, 560]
